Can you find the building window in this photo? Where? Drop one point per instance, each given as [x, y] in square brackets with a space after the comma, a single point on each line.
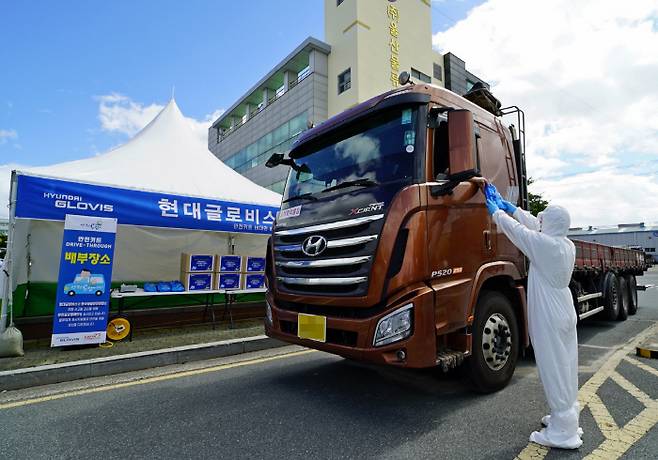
[650, 249]
[438, 72]
[469, 85]
[338, 2]
[418, 75]
[345, 81]
[278, 140]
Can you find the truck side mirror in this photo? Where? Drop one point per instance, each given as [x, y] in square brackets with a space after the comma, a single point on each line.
[275, 160]
[462, 146]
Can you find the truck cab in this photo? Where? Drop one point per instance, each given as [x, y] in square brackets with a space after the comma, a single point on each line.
[383, 249]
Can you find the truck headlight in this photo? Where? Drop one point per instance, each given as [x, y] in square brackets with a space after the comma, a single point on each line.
[394, 326]
[268, 312]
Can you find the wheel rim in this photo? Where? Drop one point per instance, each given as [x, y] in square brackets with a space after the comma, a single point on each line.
[496, 341]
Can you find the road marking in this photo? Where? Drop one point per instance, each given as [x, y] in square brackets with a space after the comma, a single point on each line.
[641, 365]
[597, 347]
[618, 440]
[623, 439]
[159, 378]
[602, 416]
[632, 389]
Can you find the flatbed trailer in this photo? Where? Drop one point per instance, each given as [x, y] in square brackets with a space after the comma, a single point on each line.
[604, 280]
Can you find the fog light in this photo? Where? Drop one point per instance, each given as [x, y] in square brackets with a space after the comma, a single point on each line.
[394, 326]
[268, 312]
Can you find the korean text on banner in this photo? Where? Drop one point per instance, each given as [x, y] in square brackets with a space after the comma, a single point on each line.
[85, 272]
[52, 199]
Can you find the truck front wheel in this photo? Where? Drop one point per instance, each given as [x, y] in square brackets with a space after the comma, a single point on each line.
[495, 343]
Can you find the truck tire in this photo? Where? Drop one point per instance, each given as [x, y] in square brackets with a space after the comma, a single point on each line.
[624, 299]
[632, 291]
[495, 343]
[611, 299]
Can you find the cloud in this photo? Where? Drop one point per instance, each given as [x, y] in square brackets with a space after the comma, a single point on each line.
[6, 134]
[604, 197]
[120, 114]
[200, 127]
[583, 72]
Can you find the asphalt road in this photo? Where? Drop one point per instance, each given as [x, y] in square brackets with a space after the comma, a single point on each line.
[314, 405]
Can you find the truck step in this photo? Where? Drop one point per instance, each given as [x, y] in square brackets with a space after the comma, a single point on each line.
[449, 359]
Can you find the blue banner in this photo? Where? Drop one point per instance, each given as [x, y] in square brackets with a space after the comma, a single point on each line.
[85, 273]
[53, 199]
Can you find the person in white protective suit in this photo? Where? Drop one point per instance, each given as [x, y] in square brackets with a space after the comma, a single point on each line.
[551, 313]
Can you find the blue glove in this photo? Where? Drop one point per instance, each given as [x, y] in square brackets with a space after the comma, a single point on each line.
[492, 193]
[491, 206]
[507, 206]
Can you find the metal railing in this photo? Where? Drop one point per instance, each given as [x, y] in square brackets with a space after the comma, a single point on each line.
[221, 135]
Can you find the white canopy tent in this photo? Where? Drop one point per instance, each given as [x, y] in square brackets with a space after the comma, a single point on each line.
[166, 158]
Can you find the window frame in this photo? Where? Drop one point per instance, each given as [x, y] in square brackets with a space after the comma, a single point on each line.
[346, 85]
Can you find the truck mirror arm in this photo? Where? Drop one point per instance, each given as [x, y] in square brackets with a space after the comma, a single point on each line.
[446, 187]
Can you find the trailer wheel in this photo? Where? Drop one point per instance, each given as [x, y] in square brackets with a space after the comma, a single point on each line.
[495, 343]
[624, 299]
[611, 301]
[632, 297]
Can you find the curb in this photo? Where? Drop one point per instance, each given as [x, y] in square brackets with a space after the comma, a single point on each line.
[56, 373]
[647, 350]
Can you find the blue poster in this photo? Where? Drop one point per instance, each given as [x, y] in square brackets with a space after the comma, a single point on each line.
[85, 272]
[53, 199]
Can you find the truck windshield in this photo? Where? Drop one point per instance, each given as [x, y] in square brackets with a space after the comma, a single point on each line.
[376, 151]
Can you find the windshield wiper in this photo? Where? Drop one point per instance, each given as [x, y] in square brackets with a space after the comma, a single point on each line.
[352, 183]
[303, 196]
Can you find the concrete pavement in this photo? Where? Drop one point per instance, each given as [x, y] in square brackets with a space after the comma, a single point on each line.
[307, 404]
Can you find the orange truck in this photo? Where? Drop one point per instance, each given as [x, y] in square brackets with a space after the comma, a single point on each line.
[383, 250]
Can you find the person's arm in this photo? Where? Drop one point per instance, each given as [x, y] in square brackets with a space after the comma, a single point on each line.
[526, 219]
[528, 241]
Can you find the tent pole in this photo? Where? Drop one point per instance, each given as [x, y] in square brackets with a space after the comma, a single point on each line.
[7, 265]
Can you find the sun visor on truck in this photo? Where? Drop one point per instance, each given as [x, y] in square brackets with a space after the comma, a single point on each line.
[363, 110]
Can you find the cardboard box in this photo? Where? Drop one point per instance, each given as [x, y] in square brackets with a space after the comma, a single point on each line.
[229, 281]
[230, 264]
[197, 281]
[198, 263]
[254, 281]
[255, 264]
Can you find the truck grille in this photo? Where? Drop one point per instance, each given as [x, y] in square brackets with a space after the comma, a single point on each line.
[327, 259]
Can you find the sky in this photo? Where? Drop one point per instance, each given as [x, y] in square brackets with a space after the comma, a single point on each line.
[80, 77]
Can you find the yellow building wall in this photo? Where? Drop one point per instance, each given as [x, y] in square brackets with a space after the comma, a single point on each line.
[377, 39]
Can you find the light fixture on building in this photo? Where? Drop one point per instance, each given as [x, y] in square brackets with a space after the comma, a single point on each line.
[404, 78]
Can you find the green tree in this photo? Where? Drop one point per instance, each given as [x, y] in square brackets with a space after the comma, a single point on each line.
[536, 203]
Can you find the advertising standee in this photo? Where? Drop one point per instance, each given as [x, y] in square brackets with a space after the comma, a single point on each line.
[83, 288]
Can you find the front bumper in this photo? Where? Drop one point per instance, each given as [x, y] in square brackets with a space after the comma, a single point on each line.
[353, 337]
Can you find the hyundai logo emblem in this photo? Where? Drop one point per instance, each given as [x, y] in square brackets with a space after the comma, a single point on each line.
[314, 245]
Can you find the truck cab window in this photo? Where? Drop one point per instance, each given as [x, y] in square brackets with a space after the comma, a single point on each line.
[441, 157]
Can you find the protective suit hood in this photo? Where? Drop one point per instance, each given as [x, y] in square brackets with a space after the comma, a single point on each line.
[554, 221]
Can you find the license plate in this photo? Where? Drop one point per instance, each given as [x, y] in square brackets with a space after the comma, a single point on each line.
[313, 327]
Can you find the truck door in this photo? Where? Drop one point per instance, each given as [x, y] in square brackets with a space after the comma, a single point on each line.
[459, 235]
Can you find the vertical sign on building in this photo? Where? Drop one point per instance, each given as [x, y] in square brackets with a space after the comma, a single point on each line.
[83, 289]
[393, 15]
